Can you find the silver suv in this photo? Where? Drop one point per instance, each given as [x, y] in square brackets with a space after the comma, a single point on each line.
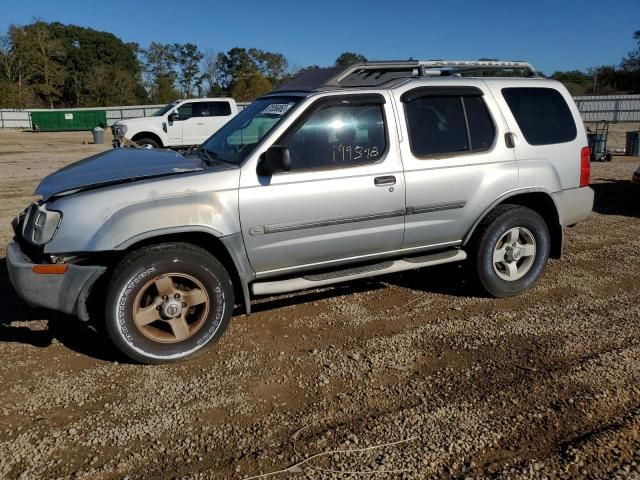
[339, 175]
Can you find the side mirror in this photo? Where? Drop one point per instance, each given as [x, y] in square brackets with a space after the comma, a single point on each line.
[173, 116]
[276, 159]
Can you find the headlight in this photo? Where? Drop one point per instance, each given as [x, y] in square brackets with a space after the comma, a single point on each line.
[120, 129]
[39, 224]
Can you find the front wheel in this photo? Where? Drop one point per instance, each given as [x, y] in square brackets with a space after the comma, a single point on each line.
[147, 143]
[511, 250]
[168, 302]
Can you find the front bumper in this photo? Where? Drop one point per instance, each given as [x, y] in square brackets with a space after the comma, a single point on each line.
[574, 205]
[65, 292]
[117, 138]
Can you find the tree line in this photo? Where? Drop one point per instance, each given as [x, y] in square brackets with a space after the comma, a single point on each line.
[55, 65]
[606, 79]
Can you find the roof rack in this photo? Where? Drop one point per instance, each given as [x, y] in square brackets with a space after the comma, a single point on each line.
[374, 74]
[449, 67]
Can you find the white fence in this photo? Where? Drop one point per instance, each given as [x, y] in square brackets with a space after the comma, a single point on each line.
[614, 108]
[22, 118]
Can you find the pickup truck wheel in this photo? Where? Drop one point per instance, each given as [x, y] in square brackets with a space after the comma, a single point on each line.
[511, 250]
[168, 302]
[147, 143]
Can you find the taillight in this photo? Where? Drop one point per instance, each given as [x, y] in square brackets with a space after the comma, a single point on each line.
[585, 166]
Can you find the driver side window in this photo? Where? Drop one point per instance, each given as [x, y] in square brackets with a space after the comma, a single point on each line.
[185, 111]
[339, 136]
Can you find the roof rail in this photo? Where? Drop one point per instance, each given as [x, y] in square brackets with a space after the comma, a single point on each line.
[377, 73]
[455, 66]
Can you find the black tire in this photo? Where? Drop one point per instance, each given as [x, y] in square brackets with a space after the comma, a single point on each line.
[134, 274]
[147, 142]
[491, 231]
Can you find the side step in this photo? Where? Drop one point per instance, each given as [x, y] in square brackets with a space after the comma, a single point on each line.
[345, 275]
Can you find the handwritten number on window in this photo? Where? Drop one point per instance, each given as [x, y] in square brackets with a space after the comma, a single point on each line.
[350, 153]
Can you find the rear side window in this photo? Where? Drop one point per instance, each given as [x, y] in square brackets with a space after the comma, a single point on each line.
[211, 109]
[542, 115]
[218, 109]
[441, 124]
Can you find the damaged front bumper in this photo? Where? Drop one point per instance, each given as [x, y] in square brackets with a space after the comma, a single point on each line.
[65, 292]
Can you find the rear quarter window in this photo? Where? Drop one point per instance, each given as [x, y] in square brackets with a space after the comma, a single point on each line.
[542, 115]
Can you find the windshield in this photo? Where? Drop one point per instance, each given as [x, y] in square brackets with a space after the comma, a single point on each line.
[166, 108]
[238, 137]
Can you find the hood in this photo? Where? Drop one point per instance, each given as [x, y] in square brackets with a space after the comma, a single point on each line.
[133, 121]
[116, 166]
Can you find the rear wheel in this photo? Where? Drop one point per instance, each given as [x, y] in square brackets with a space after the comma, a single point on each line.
[168, 302]
[510, 250]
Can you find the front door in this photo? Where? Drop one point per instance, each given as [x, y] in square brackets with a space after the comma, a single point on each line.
[344, 197]
[176, 128]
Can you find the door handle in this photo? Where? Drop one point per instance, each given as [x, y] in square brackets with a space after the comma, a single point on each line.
[384, 180]
[510, 140]
[200, 123]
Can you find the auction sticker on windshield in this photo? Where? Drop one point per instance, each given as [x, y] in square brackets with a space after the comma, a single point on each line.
[277, 108]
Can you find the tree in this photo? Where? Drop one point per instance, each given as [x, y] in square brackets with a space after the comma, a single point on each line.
[187, 59]
[348, 58]
[577, 82]
[234, 70]
[15, 88]
[631, 63]
[272, 65]
[249, 87]
[160, 61]
[85, 49]
[214, 74]
[239, 64]
[43, 58]
[54, 64]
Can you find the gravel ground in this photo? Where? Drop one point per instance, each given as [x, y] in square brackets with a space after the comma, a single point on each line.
[545, 385]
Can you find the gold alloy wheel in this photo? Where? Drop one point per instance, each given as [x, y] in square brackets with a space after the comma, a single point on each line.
[171, 308]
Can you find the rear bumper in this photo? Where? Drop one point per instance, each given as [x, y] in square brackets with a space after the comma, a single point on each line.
[574, 205]
[65, 293]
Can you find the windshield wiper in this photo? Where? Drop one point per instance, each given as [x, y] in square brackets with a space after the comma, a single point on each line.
[204, 155]
[214, 157]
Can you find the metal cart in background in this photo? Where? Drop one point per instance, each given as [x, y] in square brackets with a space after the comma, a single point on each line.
[598, 142]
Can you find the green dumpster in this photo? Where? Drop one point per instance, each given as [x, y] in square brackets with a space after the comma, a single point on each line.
[68, 120]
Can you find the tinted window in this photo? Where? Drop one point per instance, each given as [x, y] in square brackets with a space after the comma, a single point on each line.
[217, 109]
[436, 125]
[185, 111]
[339, 136]
[542, 115]
[481, 129]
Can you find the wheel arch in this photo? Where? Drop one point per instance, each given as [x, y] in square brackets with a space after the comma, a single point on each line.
[540, 202]
[229, 250]
[150, 135]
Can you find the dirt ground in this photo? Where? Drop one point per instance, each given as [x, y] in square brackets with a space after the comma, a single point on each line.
[546, 385]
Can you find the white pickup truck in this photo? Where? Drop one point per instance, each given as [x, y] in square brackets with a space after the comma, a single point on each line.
[181, 123]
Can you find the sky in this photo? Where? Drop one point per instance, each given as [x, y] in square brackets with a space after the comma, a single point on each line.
[552, 35]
